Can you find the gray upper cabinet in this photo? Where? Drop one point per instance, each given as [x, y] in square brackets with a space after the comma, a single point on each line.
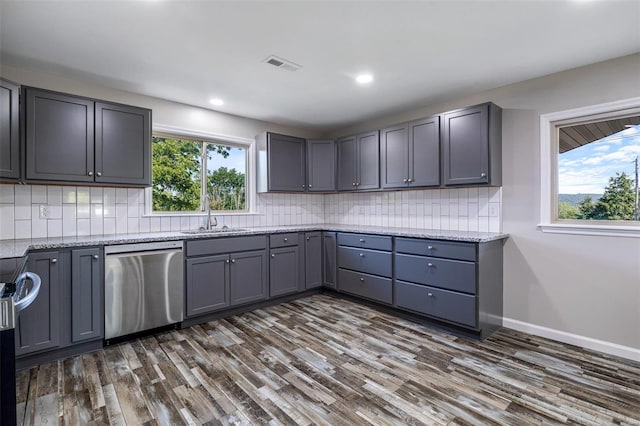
[359, 162]
[313, 259]
[79, 140]
[59, 138]
[87, 317]
[38, 326]
[472, 145]
[122, 144]
[281, 163]
[9, 133]
[410, 154]
[321, 165]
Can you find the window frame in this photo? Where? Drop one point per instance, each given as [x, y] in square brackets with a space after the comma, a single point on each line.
[219, 139]
[549, 135]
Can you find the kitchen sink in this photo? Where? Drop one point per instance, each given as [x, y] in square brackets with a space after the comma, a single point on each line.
[213, 230]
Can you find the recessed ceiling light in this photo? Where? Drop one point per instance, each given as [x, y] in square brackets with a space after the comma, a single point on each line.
[216, 101]
[364, 78]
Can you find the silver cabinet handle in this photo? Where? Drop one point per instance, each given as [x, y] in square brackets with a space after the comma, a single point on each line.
[310, 186]
[357, 183]
[361, 279]
[233, 261]
[90, 173]
[430, 265]
[308, 238]
[95, 256]
[361, 254]
[483, 174]
[99, 174]
[286, 239]
[429, 247]
[227, 260]
[405, 180]
[409, 180]
[430, 294]
[353, 184]
[273, 255]
[362, 240]
[303, 186]
[54, 260]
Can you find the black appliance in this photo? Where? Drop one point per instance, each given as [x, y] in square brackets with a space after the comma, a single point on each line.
[15, 296]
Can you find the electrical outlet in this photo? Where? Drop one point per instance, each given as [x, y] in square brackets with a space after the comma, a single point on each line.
[44, 211]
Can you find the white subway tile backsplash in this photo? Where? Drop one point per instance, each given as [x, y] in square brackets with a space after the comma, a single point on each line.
[83, 227]
[7, 219]
[95, 195]
[22, 195]
[23, 229]
[68, 195]
[109, 225]
[83, 195]
[54, 195]
[7, 194]
[39, 194]
[54, 228]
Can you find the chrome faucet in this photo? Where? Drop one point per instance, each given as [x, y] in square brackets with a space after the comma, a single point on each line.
[207, 206]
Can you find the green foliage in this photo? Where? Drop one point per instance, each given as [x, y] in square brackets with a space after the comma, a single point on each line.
[566, 210]
[616, 203]
[176, 168]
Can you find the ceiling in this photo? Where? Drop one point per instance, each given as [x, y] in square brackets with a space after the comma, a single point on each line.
[419, 52]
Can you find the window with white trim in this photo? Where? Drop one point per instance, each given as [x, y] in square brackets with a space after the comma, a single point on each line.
[589, 169]
[188, 170]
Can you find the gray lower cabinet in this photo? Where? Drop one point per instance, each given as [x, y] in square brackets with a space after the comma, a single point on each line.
[359, 162]
[38, 326]
[321, 165]
[281, 163]
[313, 259]
[225, 272]
[410, 154]
[87, 316]
[442, 304]
[284, 271]
[329, 260]
[9, 133]
[472, 145]
[79, 140]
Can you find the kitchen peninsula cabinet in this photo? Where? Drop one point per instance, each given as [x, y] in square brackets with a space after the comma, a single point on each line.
[472, 146]
[359, 162]
[9, 133]
[72, 139]
[410, 154]
[38, 326]
[224, 272]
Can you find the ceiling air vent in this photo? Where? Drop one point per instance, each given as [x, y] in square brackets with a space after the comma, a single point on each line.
[282, 63]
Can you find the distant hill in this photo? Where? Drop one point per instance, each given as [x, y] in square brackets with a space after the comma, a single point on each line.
[576, 198]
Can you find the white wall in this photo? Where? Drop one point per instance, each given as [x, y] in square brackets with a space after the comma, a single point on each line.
[587, 286]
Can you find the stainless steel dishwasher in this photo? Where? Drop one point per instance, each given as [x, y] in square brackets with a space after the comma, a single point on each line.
[144, 287]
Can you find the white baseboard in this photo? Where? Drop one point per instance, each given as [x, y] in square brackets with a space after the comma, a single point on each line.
[574, 339]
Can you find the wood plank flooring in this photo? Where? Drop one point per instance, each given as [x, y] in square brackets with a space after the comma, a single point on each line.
[326, 361]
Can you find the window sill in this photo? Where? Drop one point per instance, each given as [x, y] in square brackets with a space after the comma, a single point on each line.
[632, 231]
[198, 214]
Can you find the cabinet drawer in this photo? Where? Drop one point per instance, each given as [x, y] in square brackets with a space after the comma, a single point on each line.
[226, 245]
[437, 248]
[283, 240]
[365, 285]
[443, 304]
[377, 242]
[362, 260]
[448, 274]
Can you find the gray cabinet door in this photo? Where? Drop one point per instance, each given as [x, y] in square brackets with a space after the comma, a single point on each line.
[466, 146]
[207, 284]
[9, 134]
[424, 152]
[347, 163]
[59, 137]
[321, 165]
[284, 271]
[38, 326]
[286, 168]
[329, 259]
[313, 259]
[87, 318]
[394, 148]
[122, 144]
[368, 161]
[248, 275]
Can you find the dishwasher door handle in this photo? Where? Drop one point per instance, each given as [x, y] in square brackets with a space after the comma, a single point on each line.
[142, 253]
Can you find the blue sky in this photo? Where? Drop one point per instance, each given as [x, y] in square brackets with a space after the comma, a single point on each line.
[587, 169]
[237, 159]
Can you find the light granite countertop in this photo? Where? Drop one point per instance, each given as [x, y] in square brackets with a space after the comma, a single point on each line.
[19, 248]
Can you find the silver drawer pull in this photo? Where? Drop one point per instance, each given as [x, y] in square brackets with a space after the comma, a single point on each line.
[362, 240]
[429, 247]
[430, 265]
[273, 255]
[361, 280]
[95, 256]
[308, 238]
[54, 260]
[430, 294]
[361, 254]
[286, 239]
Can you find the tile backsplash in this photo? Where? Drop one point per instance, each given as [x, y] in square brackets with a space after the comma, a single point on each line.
[80, 211]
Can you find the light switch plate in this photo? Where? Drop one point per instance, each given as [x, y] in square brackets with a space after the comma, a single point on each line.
[44, 211]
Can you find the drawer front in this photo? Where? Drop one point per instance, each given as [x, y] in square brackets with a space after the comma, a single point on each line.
[443, 304]
[448, 274]
[283, 240]
[226, 245]
[362, 260]
[376, 242]
[437, 248]
[365, 285]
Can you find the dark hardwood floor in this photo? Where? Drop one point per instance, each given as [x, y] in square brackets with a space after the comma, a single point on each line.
[322, 360]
